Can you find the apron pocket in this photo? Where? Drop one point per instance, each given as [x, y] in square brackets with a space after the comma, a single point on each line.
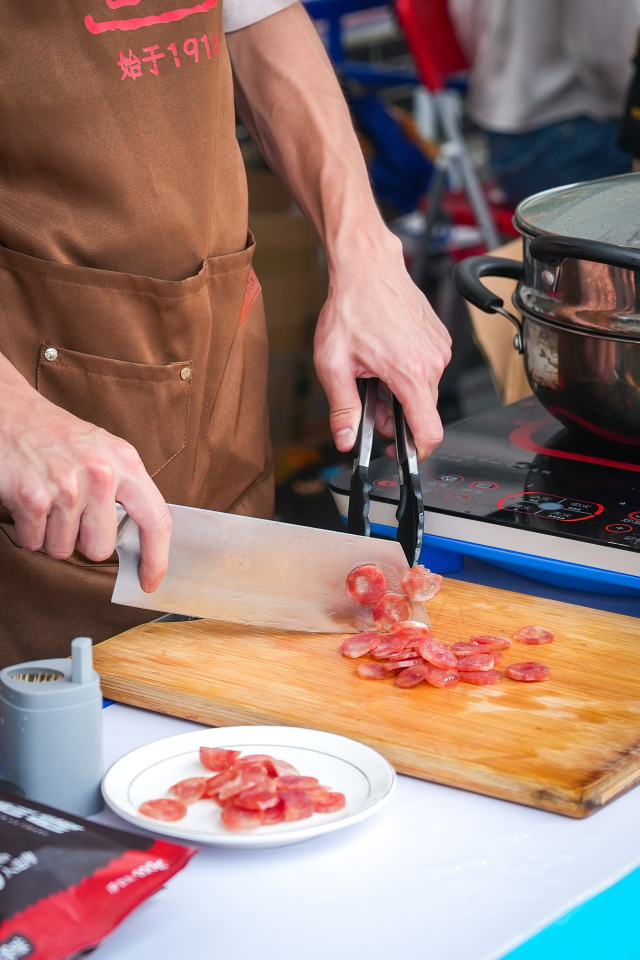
[143, 403]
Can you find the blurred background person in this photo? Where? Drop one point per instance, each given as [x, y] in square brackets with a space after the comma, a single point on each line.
[548, 86]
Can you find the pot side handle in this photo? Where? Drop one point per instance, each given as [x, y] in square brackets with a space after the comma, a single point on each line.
[553, 250]
[467, 278]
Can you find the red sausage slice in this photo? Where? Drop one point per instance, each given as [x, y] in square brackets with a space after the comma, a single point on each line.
[464, 649]
[214, 784]
[329, 802]
[407, 662]
[298, 805]
[529, 671]
[533, 635]
[366, 584]
[372, 671]
[403, 655]
[262, 758]
[273, 814]
[494, 641]
[391, 608]
[420, 584]
[215, 758]
[481, 678]
[283, 769]
[392, 643]
[235, 818]
[437, 654]
[411, 631]
[249, 776]
[189, 790]
[167, 810]
[412, 676]
[442, 678]
[477, 661]
[360, 644]
[257, 798]
[299, 783]
[412, 628]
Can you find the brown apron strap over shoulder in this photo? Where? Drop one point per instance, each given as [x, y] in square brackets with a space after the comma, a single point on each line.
[126, 290]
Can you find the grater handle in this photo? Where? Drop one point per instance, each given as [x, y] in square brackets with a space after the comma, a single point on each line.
[81, 660]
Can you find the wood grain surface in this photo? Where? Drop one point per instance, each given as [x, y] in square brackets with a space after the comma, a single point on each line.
[568, 745]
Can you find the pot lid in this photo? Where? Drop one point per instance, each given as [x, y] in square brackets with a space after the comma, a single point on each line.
[607, 209]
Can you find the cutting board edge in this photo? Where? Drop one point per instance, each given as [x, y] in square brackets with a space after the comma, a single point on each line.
[480, 780]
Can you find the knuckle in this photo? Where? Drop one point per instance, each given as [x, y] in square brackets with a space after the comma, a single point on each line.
[128, 455]
[33, 500]
[101, 476]
[68, 493]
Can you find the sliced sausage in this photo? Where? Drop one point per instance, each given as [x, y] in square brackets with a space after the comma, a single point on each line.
[189, 790]
[529, 671]
[481, 678]
[236, 818]
[442, 678]
[533, 635]
[437, 654]
[477, 661]
[273, 814]
[328, 802]
[360, 644]
[215, 758]
[391, 643]
[493, 641]
[299, 783]
[391, 608]
[258, 798]
[412, 676]
[298, 805]
[372, 671]
[465, 649]
[366, 584]
[167, 810]
[420, 584]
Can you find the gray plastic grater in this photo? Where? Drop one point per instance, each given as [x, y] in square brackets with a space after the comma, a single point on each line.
[51, 721]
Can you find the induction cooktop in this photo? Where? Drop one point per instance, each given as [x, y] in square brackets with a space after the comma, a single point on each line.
[515, 487]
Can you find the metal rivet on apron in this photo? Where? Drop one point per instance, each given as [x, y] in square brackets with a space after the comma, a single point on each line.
[51, 353]
[185, 373]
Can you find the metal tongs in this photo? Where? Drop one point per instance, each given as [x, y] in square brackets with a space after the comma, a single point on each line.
[410, 512]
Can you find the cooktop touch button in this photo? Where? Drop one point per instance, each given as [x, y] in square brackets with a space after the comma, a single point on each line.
[550, 507]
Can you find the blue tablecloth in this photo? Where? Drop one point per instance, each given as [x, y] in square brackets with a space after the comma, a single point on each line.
[604, 928]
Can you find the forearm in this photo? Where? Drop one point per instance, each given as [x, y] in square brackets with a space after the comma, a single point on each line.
[290, 100]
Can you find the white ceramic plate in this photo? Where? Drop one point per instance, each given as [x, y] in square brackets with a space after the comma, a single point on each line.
[365, 778]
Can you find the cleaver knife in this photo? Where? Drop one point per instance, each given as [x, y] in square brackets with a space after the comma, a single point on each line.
[258, 572]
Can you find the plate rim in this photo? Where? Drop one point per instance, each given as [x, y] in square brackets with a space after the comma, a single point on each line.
[253, 734]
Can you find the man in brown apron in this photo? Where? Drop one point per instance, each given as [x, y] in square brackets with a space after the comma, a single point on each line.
[132, 335]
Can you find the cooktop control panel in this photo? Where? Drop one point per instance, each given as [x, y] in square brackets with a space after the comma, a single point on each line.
[518, 466]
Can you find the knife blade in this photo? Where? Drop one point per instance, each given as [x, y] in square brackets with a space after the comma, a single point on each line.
[259, 572]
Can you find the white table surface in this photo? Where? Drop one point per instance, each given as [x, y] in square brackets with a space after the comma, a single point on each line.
[439, 873]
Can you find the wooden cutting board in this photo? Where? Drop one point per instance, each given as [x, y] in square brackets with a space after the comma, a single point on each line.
[568, 745]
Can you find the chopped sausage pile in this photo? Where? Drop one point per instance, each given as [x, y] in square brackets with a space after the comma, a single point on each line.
[253, 791]
[406, 649]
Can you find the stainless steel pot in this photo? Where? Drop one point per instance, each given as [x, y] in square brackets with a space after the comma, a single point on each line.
[579, 296]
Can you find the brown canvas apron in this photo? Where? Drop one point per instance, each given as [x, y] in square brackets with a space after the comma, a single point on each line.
[126, 291]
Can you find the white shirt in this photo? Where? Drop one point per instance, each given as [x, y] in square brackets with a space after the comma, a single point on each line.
[535, 62]
[241, 13]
